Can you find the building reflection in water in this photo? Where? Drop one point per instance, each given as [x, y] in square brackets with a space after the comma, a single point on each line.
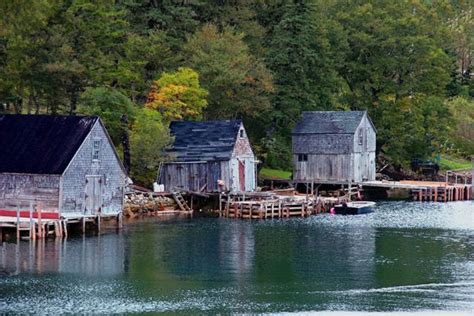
[237, 249]
[104, 255]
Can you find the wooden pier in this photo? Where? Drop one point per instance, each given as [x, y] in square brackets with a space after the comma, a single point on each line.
[37, 223]
[33, 227]
[427, 191]
[265, 205]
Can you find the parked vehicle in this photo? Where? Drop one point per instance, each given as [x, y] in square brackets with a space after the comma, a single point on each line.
[426, 167]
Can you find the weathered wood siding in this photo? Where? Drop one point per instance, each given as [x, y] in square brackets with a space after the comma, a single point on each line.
[323, 144]
[194, 176]
[203, 175]
[23, 189]
[77, 197]
[336, 157]
[243, 154]
[323, 167]
[364, 141]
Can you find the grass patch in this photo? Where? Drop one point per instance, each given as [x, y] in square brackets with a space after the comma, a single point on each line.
[451, 163]
[275, 174]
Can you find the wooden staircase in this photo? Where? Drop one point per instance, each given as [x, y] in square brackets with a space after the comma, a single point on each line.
[183, 205]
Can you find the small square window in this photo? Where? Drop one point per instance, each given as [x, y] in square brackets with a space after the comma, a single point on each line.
[302, 157]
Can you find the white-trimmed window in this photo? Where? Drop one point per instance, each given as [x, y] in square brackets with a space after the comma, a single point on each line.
[96, 144]
[361, 136]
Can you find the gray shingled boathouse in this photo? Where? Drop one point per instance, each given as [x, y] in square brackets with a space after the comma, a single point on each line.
[209, 156]
[67, 164]
[334, 146]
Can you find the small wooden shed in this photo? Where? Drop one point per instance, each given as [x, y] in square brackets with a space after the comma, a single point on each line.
[67, 164]
[334, 146]
[209, 156]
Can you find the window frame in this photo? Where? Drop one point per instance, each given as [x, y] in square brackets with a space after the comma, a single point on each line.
[96, 148]
[302, 157]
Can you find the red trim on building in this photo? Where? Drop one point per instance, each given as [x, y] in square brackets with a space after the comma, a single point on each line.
[26, 214]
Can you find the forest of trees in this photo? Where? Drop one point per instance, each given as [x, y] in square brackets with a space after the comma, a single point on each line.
[141, 63]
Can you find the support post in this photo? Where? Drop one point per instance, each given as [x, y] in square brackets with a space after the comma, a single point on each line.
[349, 191]
[120, 221]
[220, 203]
[65, 228]
[40, 226]
[31, 221]
[472, 177]
[83, 224]
[17, 222]
[98, 223]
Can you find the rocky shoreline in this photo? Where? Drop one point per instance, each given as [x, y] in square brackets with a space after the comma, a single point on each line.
[148, 203]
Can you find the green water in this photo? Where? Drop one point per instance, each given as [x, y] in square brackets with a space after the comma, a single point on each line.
[404, 257]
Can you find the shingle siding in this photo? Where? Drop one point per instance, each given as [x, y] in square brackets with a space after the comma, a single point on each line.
[62, 177]
[78, 175]
[23, 189]
[206, 152]
[336, 146]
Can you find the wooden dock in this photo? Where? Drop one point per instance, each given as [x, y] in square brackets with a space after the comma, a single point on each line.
[265, 205]
[35, 226]
[37, 223]
[425, 191]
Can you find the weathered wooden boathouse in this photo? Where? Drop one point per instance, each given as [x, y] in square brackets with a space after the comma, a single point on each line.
[209, 156]
[334, 147]
[65, 165]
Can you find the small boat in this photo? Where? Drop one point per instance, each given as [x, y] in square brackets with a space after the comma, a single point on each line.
[355, 208]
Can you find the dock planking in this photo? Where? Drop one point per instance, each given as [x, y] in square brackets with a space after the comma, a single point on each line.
[427, 191]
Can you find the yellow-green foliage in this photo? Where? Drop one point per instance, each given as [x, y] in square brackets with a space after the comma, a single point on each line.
[178, 95]
[148, 138]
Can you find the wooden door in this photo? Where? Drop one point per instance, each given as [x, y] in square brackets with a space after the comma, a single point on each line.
[242, 175]
[93, 194]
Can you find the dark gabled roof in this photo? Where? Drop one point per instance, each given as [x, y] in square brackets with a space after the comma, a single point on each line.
[41, 144]
[203, 141]
[329, 122]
